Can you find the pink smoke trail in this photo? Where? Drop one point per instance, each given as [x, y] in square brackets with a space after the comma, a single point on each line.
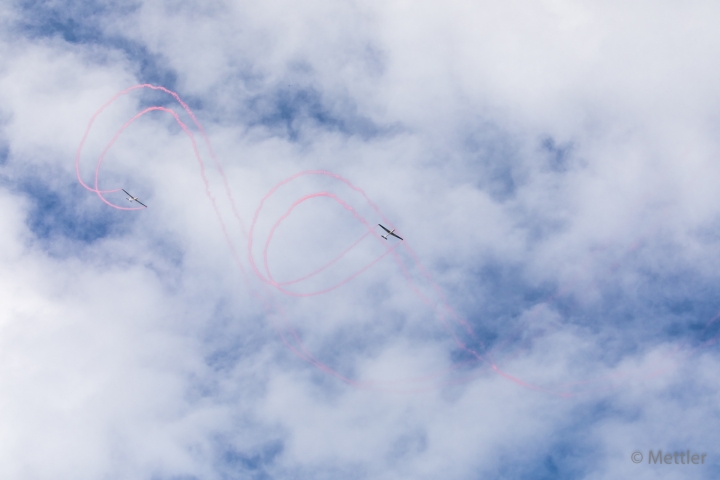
[294, 342]
[267, 277]
[449, 318]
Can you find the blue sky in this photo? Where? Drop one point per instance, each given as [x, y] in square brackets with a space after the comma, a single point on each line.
[552, 164]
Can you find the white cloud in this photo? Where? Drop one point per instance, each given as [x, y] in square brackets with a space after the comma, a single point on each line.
[552, 163]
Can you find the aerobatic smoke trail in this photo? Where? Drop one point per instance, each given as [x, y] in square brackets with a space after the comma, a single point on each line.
[409, 261]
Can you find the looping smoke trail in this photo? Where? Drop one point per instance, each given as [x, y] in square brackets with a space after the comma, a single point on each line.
[268, 276]
[288, 335]
[446, 313]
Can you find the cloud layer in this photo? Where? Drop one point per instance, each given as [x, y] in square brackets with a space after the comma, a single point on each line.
[551, 164]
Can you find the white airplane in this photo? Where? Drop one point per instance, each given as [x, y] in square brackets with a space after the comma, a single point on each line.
[133, 199]
[389, 232]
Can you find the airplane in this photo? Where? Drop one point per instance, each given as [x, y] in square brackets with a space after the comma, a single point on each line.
[133, 199]
[389, 232]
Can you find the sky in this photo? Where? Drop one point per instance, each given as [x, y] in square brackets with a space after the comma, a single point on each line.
[551, 311]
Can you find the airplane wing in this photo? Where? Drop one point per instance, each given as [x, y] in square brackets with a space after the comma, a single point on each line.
[141, 203]
[124, 191]
[388, 231]
[398, 236]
